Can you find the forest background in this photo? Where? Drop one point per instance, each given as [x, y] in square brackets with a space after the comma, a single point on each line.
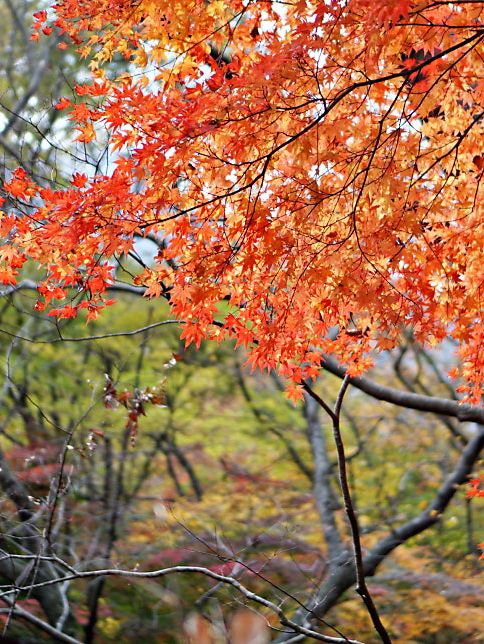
[123, 449]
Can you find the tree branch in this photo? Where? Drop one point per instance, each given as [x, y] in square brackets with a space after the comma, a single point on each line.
[36, 621]
[154, 574]
[323, 493]
[420, 402]
[361, 587]
[332, 590]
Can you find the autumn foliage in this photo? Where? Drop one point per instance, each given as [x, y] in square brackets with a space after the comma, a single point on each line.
[314, 166]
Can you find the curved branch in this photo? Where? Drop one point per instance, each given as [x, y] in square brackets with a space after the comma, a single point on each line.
[344, 576]
[420, 402]
[88, 338]
[114, 572]
[30, 285]
[332, 590]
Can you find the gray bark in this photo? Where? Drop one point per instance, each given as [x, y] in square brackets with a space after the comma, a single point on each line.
[420, 402]
[25, 539]
[325, 499]
[343, 577]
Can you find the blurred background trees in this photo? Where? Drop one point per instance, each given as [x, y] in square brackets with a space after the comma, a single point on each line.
[118, 448]
[32, 134]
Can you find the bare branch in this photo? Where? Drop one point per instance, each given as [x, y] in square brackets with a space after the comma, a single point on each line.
[361, 587]
[36, 621]
[323, 493]
[155, 574]
[88, 338]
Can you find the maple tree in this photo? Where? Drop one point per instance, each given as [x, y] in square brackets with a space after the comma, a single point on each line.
[316, 165]
[310, 174]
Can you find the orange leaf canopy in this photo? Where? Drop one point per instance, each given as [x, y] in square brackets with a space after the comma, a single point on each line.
[312, 164]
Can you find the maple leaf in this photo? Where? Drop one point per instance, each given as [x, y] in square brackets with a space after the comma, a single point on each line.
[192, 332]
[7, 277]
[20, 185]
[40, 16]
[64, 312]
[294, 392]
[79, 180]
[475, 489]
[87, 133]
[62, 104]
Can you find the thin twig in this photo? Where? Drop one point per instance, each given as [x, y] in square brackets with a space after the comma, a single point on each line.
[361, 587]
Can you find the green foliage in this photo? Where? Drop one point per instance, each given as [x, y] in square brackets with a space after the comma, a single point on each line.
[253, 503]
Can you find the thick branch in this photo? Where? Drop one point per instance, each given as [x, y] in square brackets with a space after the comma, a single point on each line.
[44, 576]
[420, 402]
[15, 490]
[13, 570]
